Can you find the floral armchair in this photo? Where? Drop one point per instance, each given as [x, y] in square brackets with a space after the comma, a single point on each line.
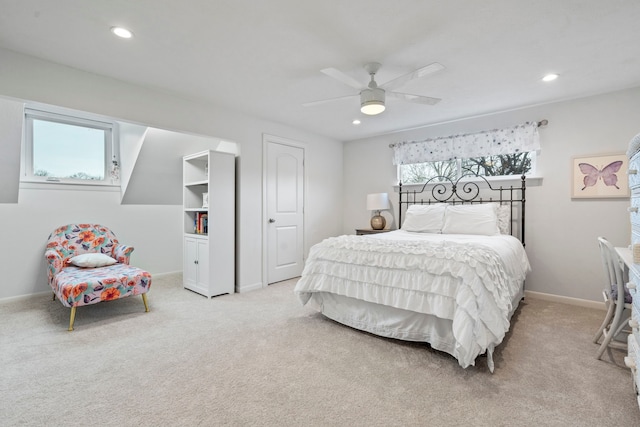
[75, 286]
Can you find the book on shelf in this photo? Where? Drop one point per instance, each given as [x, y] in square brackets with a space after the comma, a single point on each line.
[201, 223]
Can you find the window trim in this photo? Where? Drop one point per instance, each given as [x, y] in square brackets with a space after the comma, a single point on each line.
[70, 117]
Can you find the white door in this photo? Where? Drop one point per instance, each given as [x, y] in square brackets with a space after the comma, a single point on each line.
[285, 201]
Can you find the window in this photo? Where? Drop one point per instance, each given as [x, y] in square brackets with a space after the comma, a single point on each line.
[499, 152]
[499, 165]
[66, 149]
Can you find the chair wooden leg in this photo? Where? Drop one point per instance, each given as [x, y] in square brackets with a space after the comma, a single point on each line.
[146, 304]
[610, 331]
[605, 323]
[73, 318]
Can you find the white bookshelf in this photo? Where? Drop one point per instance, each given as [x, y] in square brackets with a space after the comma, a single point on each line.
[209, 253]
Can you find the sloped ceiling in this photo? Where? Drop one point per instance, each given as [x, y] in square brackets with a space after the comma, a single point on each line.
[264, 57]
[156, 176]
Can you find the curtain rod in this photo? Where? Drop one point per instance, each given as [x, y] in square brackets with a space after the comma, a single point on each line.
[541, 123]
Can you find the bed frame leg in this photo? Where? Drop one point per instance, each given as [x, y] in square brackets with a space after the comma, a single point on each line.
[73, 318]
[54, 297]
[146, 304]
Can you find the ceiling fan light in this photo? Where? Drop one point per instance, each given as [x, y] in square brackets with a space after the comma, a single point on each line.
[372, 101]
[372, 108]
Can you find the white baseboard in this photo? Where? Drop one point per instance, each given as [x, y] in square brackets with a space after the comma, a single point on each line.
[170, 273]
[248, 288]
[258, 285]
[566, 300]
[25, 297]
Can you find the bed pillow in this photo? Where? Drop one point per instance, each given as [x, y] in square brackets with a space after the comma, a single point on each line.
[471, 219]
[504, 218]
[424, 218]
[92, 260]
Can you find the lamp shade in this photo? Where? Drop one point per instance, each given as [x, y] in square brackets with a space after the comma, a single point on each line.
[377, 201]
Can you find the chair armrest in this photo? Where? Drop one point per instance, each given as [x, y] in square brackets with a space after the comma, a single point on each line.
[122, 253]
[54, 262]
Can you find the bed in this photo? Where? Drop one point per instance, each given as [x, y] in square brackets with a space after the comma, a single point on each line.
[452, 276]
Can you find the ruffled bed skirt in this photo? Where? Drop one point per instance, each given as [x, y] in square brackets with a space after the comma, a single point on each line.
[464, 284]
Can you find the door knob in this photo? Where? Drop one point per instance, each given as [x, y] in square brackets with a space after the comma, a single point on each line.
[271, 220]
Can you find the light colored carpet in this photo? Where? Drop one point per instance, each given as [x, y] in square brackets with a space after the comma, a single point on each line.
[260, 358]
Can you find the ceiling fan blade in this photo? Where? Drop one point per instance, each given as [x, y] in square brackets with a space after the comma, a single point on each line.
[419, 73]
[324, 101]
[342, 77]
[418, 99]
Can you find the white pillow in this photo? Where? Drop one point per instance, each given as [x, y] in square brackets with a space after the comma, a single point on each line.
[424, 218]
[92, 260]
[471, 219]
[504, 218]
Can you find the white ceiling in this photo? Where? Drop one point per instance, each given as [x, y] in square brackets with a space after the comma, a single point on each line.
[264, 57]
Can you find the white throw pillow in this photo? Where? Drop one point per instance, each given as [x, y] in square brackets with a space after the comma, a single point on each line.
[471, 219]
[504, 219]
[424, 218]
[92, 260]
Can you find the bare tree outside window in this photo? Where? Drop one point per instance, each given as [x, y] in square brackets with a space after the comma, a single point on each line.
[421, 172]
[505, 164]
[501, 165]
[77, 175]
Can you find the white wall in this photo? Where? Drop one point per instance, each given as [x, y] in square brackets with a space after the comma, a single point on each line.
[28, 78]
[11, 114]
[560, 232]
[156, 173]
[27, 224]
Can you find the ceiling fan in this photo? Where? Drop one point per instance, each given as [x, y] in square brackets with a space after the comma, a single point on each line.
[372, 97]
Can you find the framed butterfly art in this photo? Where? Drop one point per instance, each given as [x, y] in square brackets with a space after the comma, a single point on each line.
[600, 177]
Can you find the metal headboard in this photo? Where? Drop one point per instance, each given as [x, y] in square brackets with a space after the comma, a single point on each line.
[463, 191]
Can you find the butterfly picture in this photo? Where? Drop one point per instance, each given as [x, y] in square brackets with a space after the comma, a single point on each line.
[607, 174]
[600, 176]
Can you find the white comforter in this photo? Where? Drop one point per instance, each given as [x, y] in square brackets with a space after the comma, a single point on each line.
[470, 280]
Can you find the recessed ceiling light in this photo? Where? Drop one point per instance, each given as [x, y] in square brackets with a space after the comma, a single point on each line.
[356, 122]
[549, 77]
[122, 32]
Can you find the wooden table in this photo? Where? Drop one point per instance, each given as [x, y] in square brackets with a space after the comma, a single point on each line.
[362, 231]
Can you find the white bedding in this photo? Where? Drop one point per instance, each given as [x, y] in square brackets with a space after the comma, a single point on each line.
[470, 280]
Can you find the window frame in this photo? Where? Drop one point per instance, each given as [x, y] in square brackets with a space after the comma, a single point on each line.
[111, 152]
[459, 172]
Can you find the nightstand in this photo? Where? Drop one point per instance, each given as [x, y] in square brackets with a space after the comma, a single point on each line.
[363, 231]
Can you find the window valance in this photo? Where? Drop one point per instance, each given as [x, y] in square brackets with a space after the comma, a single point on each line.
[516, 139]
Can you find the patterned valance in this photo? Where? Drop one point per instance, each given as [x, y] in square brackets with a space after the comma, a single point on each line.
[516, 139]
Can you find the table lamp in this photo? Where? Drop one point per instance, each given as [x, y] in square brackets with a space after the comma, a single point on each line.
[377, 202]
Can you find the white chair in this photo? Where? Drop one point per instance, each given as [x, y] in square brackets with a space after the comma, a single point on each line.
[616, 298]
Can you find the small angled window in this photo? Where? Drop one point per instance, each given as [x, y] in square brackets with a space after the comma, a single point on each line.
[69, 150]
